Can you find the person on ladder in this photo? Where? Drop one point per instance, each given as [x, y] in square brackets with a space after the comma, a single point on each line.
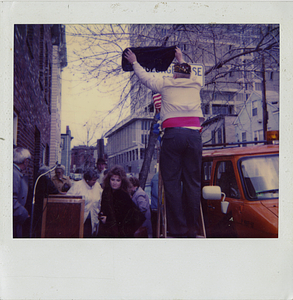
[181, 150]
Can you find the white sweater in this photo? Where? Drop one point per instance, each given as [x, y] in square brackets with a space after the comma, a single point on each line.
[92, 196]
[180, 96]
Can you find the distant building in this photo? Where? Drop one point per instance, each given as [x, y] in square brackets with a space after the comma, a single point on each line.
[249, 123]
[127, 143]
[65, 150]
[39, 57]
[218, 130]
[83, 157]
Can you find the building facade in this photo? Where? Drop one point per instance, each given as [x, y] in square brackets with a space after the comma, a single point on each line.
[219, 130]
[127, 144]
[58, 63]
[65, 147]
[83, 157]
[249, 122]
[37, 57]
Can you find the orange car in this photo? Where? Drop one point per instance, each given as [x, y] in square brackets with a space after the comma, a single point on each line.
[248, 178]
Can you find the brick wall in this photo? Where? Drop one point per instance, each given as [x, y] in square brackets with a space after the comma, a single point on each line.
[32, 67]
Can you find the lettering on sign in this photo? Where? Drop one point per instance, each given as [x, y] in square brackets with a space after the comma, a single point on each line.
[196, 70]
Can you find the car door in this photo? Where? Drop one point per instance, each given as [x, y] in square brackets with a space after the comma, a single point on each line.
[222, 225]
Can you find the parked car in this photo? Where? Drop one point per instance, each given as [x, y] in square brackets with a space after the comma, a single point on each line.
[241, 191]
[76, 176]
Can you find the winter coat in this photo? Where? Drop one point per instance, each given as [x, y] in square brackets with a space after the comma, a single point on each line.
[142, 201]
[123, 217]
[92, 196]
[20, 192]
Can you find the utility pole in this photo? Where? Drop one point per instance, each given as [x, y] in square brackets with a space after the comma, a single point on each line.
[264, 101]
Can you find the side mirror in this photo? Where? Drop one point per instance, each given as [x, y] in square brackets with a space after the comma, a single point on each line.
[214, 193]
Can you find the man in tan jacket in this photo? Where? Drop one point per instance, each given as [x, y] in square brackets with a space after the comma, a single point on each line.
[62, 182]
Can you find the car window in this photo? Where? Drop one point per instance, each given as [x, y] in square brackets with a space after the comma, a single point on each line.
[225, 178]
[261, 176]
[206, 170]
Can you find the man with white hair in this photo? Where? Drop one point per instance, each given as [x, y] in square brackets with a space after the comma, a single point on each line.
[21, 159]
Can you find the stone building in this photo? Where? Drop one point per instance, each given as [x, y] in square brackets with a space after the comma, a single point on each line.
[39, 57]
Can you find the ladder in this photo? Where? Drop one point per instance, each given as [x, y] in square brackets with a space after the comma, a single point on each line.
[162, 216]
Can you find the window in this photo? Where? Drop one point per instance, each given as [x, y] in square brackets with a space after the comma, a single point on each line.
[258, 135]
[62, 144]
[219, 109]
[219, 132]
[207, 170]
[258, 86]
[254, 108]
[207, 109]
[244, 138]
[225, 178]
[261, 176]
[142, 151]
[213, 137]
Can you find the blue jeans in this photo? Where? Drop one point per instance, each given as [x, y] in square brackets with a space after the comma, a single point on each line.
[180, 162]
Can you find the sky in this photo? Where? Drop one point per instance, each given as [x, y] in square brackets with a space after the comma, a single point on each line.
[83, 105]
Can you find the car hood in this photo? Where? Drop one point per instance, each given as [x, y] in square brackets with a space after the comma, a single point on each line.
[271, 205]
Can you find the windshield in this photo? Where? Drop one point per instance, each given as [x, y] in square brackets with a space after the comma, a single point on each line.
[261, 176]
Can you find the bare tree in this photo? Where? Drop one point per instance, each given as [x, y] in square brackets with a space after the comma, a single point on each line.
[225, 49]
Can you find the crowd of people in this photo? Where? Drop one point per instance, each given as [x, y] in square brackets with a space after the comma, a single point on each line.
[115, 207]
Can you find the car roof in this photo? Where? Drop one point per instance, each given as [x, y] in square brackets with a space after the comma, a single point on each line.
[241, 151]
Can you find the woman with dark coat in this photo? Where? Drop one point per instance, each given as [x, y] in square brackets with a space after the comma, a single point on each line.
[119, 216]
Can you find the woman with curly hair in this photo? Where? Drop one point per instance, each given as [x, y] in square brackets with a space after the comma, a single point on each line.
[119, 216]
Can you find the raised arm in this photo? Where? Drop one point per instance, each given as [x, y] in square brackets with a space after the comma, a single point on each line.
[147, 78]
[178, 55]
